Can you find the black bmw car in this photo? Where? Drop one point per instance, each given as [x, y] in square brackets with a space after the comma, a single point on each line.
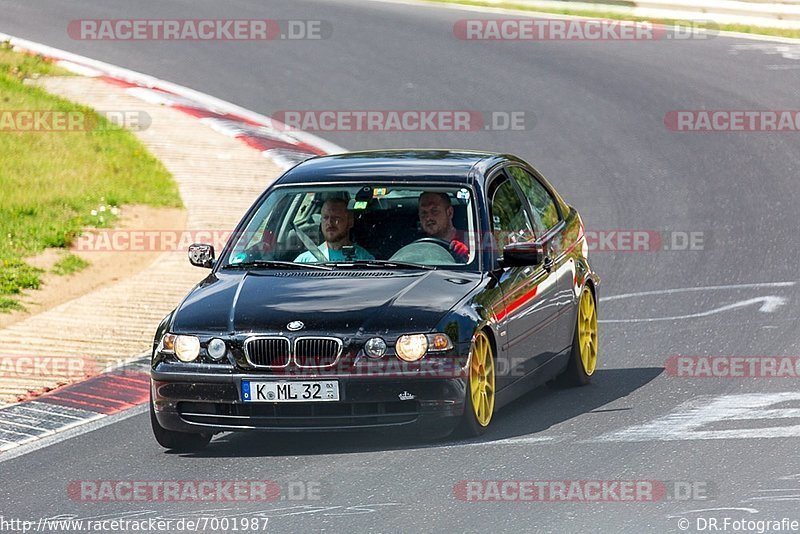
[408, 289]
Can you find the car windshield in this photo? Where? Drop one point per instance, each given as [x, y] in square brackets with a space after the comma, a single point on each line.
[391, 226]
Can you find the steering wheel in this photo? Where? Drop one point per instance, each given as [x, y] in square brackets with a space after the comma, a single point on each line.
[426, 254]
[434, 240]
[254, 254]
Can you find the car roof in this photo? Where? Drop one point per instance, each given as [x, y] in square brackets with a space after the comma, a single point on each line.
[398, 165]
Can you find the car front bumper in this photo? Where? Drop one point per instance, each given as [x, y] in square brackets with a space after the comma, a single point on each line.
[212, 402]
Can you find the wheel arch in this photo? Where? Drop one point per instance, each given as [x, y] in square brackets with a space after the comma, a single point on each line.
[592, 287]
[492, 340]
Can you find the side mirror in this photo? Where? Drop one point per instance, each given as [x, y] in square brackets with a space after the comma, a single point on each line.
[521, 254]
[201, 255]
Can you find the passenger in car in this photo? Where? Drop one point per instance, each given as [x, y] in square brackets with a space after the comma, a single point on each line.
[337, 221]
[436, 219]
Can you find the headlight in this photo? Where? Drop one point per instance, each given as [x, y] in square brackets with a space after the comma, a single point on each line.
[187, 348]
[217, 349]
[375, 347]
[412, 347]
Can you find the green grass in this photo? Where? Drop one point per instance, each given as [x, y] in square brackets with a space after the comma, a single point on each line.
[69, 264]
[9, 304]
[55, 184]
[23, 66]
[599, 14]
[16, 274]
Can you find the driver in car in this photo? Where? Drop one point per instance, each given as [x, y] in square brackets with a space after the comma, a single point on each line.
[436, 219]
[337, 221]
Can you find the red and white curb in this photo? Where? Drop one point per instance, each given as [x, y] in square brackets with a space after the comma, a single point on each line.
[104, 397]
[76, 404]
[283, 145]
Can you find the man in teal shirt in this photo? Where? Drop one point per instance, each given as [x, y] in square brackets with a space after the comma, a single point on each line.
[337, 221]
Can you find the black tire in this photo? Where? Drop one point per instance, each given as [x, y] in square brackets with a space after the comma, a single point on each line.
[575, 374]
[177, 441]
[470, 427]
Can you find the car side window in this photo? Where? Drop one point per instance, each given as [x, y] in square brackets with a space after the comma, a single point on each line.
[304, 210]
[543, 206]
[509, 218]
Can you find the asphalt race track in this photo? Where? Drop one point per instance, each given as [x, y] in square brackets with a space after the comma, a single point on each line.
[596, 130]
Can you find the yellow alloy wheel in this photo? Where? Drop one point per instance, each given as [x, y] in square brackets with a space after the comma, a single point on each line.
[481, 379]
[587, 331]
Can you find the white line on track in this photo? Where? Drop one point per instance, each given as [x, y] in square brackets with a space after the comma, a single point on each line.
[696, 419]
[78, 430]
[698, 288]
[53, 419]
[748, 510]
[522, 440]
[768, 305]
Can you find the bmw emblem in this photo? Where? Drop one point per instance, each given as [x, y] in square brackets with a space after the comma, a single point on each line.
[294, 326]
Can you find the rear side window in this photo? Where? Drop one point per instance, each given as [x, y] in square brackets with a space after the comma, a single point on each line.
[543, 205]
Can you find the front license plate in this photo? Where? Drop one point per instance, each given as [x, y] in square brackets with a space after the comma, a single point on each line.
[295, 391]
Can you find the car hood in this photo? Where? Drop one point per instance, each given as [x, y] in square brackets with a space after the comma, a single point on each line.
[325, 301]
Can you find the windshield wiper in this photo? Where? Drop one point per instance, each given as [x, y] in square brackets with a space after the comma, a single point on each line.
[381, 263]
[275, 263]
